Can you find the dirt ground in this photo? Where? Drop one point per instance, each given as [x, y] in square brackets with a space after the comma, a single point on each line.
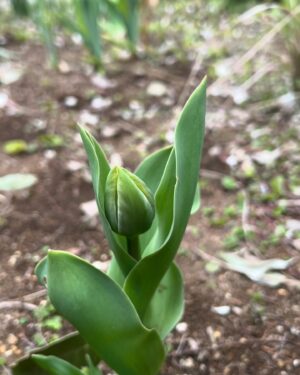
[231, 325]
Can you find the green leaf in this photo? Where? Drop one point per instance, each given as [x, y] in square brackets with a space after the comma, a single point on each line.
[51, 140]
[55, 366]
[103, 315]
[167, 305]
[54, 323]
[152, 168]
[41, 271]
[99, 169]
[229, 183]
[17, 181]
[71, 348]
[14, 147]
[145, 277]
[151, 171]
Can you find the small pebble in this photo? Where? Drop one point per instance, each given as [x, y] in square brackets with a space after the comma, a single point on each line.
[182, 327]
[237, 310]
[296, 362]
[280, 329]
[12, 339]
[221, 310]
[70, 101]
[295, 331]
[156, 89]
[202, 368]
[203, 356]
[50, 154]
[187, 362]
[282, 292]
[99, 103]
[193, 344]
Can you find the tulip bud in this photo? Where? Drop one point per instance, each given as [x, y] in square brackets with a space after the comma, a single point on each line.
[129, 204]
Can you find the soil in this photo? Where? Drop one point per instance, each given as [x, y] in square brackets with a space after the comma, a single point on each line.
[260, 334]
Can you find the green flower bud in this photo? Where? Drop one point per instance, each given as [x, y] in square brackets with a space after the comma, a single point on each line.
[129, 204]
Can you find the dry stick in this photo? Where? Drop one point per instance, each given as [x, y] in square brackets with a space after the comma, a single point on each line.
[18, 305]
[28, 297]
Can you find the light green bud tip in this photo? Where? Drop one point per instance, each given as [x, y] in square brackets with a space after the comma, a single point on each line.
[129, 204]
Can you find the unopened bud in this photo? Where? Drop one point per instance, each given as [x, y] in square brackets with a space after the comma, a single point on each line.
[129, 204]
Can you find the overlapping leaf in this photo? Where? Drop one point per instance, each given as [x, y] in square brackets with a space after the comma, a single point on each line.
[103, 315]
[100, 169]
[72, 348]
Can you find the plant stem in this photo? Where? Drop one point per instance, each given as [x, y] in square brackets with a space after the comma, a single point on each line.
[133, 246]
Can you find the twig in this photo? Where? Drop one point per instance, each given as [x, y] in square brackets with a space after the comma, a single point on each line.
[30, 297]
[34, 295]
[18, 305]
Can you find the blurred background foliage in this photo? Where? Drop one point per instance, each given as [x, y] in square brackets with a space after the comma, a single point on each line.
[99, 23]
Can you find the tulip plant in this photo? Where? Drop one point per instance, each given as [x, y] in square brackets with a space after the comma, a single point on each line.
[123, 316]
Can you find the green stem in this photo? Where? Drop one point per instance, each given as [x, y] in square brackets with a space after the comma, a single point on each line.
[133, 246]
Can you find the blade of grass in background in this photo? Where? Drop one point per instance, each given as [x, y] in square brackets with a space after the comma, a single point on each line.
[84, 17]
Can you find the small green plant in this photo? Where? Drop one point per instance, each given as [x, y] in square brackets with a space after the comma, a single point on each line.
[123, 316]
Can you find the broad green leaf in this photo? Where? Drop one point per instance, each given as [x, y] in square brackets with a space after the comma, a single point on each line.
[71, 348]
[164, 202]
[17, 181]
[145, 277]
[151, 171]
[152, 168]
[99, 169]
[55, 366]
[167, 305]
[115, 273]
[103, 315]
[41, 271]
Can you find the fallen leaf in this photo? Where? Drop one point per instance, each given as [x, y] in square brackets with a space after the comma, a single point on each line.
[17, 181]
[256, 269]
